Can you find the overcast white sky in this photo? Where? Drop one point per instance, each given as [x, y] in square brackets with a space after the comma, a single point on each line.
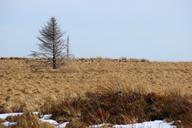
[151, 29]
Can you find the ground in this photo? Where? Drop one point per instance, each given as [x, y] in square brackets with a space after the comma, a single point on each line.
[25, 84]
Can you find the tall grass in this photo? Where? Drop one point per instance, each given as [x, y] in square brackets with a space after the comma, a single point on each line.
[121, 107]
[29, 82]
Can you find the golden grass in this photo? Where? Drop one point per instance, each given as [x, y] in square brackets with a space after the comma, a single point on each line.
[26, 86]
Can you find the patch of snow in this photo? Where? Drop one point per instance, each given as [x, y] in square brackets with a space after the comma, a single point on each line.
[7, 124]
[99, 125]
[35, 113]
[53, 122]
[46, 117]
[63, 125]
[4, 116]
[149, 124]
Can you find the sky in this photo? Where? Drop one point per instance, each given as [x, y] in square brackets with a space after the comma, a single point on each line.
[152, 29]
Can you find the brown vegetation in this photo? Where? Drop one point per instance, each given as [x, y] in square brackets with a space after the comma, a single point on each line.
[121, 108]
[26, 84]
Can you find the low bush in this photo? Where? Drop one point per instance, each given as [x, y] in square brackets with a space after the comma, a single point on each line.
[121, 108]
[111, 107]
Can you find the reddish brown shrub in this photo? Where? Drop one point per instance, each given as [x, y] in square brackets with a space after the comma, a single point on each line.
[121, 108]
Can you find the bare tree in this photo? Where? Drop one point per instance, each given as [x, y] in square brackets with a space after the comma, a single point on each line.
[68, 47]
[52, 44]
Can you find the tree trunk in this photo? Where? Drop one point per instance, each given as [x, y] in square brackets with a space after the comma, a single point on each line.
[54, 63]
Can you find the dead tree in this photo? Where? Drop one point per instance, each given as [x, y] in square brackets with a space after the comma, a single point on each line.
[52, 44]
[68, 55]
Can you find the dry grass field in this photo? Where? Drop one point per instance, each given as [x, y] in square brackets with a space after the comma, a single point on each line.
[26, 84]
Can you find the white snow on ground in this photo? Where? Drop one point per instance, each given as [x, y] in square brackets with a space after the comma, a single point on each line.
[63, 125]
[4, 116]
[99, 125]
[46, 118]
[149, 124]
[53, 122]
[7, 124]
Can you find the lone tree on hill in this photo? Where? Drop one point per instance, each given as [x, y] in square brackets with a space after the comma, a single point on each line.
[52, 44]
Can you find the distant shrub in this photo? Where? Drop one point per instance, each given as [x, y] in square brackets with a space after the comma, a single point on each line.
[123, 59]
[144, 60]
[138, 60]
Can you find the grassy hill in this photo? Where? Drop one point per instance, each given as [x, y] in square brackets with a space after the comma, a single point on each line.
[26, 84]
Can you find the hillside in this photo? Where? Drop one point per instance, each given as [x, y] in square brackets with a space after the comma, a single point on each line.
[26, 84]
